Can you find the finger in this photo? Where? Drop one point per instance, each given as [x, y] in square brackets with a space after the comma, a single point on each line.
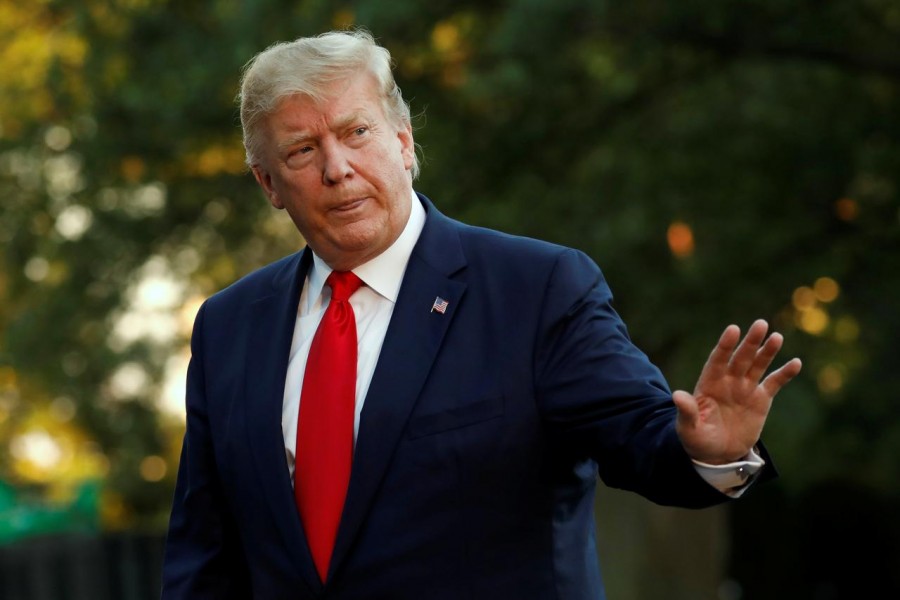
[746, 351]
[717, 363]
[777, 379]
[765, 356]
[687, 407]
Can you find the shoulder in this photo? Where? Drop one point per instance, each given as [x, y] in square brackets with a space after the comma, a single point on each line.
[499, 245]
[259, 284]
[531, 258]
[481, 244]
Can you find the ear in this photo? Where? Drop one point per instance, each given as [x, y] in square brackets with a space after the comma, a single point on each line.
[264, 179]
[407, 145]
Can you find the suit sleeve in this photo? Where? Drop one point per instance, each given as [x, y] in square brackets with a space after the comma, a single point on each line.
[600, 396]
[203, 557]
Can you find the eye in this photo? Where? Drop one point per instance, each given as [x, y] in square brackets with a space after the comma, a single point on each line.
[300, 150]
[360, 131]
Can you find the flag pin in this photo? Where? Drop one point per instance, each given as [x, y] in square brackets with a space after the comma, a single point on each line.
[440, 305]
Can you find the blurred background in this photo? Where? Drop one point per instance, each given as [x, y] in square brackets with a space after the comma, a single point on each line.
[721, 160]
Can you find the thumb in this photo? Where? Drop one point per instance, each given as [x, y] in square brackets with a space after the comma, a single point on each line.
[688, 411]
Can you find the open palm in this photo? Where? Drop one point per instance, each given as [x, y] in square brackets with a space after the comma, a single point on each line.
[722, 420]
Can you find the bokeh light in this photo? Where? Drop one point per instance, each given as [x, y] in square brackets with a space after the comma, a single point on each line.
[680, 237]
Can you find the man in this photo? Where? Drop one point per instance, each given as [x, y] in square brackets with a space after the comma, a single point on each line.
[412, 408]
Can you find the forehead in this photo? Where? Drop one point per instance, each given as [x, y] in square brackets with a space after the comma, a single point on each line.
[356, 96]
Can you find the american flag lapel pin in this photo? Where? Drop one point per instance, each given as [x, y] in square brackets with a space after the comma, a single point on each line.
[440, 305]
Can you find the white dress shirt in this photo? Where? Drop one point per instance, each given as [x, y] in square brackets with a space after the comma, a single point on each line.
[373, 305]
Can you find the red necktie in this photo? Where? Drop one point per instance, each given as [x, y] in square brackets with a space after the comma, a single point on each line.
[325, 427]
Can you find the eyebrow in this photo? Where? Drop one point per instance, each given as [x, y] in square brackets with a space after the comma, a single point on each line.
[340, 124]
[294, 140]
[345, 122]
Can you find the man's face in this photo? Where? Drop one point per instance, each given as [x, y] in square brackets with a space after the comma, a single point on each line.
[341, 169]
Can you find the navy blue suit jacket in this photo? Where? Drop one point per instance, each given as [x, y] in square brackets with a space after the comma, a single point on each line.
[480, 442]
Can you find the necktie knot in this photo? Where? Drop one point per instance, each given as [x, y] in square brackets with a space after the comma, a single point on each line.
[343, 284]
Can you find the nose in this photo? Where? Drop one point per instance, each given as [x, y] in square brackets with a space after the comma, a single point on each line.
[335, 167]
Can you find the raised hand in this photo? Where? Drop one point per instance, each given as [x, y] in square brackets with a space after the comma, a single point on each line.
[722, 420]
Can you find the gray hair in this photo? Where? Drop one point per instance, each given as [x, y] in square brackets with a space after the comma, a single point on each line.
[306, 66]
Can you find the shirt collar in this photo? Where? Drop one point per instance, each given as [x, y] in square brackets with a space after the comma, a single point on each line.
[384, 273]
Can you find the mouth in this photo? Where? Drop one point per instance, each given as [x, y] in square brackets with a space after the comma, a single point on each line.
[349, 205]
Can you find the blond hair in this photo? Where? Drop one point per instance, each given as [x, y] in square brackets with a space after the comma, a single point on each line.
[307, 66]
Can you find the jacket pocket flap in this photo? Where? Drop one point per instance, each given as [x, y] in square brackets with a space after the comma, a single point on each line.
[454, 418]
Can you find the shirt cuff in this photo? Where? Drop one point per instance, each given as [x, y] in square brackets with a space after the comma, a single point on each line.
[732, 479]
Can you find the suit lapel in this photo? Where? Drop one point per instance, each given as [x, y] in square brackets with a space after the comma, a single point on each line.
[272, 326]
[410, 346]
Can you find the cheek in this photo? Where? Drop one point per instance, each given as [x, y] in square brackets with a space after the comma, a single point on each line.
[300, 207]
[299, 191]
[397, 169]
[303, 213]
